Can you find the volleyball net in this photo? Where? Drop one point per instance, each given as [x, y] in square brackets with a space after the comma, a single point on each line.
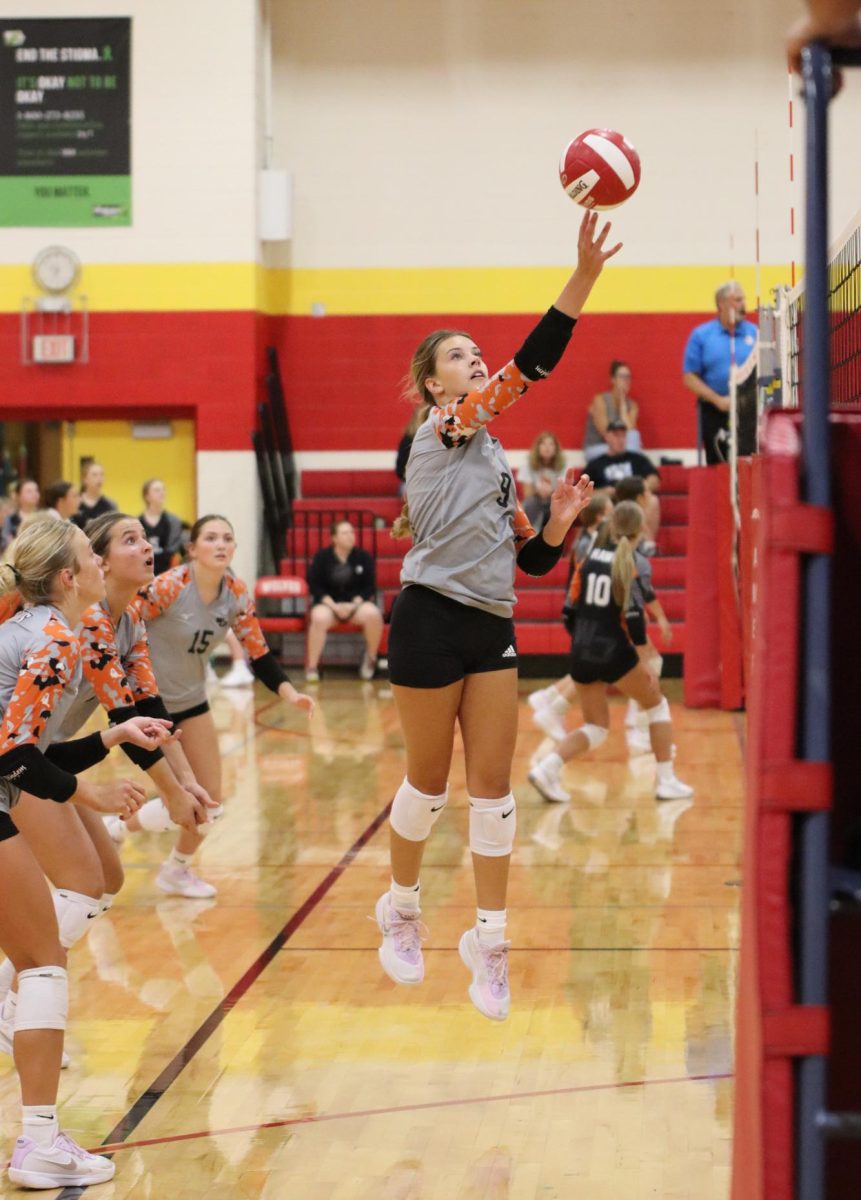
[844, 327]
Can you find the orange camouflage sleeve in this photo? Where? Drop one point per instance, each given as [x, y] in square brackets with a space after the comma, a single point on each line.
[157, 597]
[459, 420]
[245, 624]
[523, 529]
[139, 671]
[101, 662]
[9, 605]
[44, 675]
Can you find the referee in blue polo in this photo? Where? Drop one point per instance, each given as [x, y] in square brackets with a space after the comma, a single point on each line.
[709, 353]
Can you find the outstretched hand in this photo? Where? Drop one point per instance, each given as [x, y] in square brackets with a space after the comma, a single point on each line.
[591, 254]
[570, 498]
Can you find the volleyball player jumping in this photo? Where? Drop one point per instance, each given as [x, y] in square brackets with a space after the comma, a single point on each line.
[452, 652]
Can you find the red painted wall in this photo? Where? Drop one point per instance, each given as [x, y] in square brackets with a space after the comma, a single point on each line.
[342, 375]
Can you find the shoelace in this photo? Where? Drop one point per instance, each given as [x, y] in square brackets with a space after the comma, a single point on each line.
[496, 966]
[407, 930]
[70, 1145]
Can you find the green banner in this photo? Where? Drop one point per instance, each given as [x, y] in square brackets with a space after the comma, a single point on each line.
[65, 143]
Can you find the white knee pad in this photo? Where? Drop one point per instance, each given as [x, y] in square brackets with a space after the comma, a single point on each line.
[595, 735]
[74, 915]
[43, 999]
[660, 713]
[213, 815]
[414, 813]
[492, 825]
[154, 817]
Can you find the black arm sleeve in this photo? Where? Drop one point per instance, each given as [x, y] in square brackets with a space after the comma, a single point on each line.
[79, 754]
[269, 671]
[153, 706]
[27, 768]
[535, 557]
[404, 447]
[140, 756]
[544, 347]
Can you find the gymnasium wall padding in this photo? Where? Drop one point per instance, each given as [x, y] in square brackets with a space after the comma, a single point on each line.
[771, 1029]
[729, 617]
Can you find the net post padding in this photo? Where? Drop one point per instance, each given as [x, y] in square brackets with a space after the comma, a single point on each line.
[772, 1030]
[713, 657]
[702, 628]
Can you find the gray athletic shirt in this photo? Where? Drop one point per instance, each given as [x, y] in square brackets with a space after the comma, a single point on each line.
[40, 672]
[128, 635]
[183, 631]
[463, 505]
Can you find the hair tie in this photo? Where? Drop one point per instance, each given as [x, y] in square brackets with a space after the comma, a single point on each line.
[16, 574]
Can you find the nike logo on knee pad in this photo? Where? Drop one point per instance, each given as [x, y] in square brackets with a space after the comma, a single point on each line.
[508, 814]
[438, 807]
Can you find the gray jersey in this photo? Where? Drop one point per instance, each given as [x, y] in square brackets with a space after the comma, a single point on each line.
[108, 656]
[643, 590]
[183, 631]
[40, 672]
[462, 505]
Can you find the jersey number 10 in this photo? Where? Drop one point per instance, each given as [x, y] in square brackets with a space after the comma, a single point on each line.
[598, 589]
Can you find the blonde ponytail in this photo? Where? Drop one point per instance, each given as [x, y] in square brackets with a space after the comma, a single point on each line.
[401, 527]
[9, 577]
[626, 523]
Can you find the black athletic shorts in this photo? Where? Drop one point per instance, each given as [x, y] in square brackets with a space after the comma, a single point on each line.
[435, 641]
[589, 669]
[635, 619]
[8, 828]
[187, 713]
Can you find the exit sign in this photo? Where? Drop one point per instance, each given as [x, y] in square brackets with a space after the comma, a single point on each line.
[54, 348]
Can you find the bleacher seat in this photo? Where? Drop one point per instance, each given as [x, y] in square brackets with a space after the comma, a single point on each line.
[537, 613]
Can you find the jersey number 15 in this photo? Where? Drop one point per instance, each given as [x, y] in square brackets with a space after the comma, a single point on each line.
[200, 641]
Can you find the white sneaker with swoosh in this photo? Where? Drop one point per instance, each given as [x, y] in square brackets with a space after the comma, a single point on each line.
[62, 1164]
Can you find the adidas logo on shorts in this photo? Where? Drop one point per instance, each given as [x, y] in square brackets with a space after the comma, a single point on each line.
[509, 653]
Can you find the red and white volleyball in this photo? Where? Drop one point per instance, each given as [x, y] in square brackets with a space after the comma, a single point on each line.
[600, 169]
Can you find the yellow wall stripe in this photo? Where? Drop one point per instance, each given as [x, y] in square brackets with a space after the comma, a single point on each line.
[380, 291]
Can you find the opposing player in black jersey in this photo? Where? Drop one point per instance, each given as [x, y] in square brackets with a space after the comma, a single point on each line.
[603, 653]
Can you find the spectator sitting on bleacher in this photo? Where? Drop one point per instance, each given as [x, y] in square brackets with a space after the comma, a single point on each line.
[420, 414]
[342, 583]
[607, 469]
[633, 487]
[539, 476]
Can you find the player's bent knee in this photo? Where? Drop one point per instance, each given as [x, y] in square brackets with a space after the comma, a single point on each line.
[43, 999]
[414, 813]
[595, 735]
[492, 825]
[74, 913]
[660, 713]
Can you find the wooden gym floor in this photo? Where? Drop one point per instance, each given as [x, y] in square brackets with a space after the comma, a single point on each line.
[252, 1047]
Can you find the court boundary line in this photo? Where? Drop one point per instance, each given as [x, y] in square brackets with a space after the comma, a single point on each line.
[151, 1096]
[461, 1101]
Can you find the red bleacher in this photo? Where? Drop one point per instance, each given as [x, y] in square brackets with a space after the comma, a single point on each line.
[537, 615]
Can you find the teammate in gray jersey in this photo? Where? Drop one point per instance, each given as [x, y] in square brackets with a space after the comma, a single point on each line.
[71, 844]
[452, 651]
[188, 611]
[57, 574]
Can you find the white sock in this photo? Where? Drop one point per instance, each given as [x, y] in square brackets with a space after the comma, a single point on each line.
[179, 860]
[631, 713]
[40, 1123]
[665, 771]
[490, 924]
[404, 897]
[7, 974]
[107, 902]
[552, 763]
[559, 704]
